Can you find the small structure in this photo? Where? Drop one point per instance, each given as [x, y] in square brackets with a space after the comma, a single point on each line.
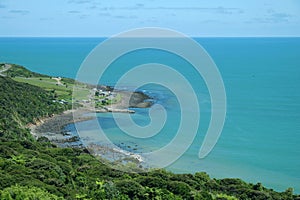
[62, 101]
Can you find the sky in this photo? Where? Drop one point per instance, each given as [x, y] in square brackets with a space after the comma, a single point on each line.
[103, 18]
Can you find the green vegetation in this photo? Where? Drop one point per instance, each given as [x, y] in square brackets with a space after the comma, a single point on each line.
[46, 83]
[62, 91]
[61, 88]
[23, 192]
[101, 101]
[117, 99]
[81, 93]
[37, 169]
[17, 70]
[21, 104]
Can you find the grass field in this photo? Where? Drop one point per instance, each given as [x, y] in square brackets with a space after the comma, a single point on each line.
[63, 90]
[82, 93]
[45, 83]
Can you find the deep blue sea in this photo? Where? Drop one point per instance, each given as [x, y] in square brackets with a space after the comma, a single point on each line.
[260, 141]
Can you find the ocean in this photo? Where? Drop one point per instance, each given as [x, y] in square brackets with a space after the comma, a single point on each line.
[261, 136]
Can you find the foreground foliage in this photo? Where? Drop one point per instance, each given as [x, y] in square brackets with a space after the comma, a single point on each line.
[31, 169]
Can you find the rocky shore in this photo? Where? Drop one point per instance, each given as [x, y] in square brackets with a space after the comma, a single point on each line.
[132, 100]
[53, 128]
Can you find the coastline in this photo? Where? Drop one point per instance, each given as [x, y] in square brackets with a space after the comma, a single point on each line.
[53, 128]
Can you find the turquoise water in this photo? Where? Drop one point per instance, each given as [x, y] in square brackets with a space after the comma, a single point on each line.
[261, 137]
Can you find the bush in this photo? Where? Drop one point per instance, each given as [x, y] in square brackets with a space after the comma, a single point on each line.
[27, 193]
[179, 188]
[130, 188]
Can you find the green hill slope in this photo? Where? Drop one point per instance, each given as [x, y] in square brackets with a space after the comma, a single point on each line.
[21, 104]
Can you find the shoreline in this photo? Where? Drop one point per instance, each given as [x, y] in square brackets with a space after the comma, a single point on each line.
[56, 122]
[53, 128]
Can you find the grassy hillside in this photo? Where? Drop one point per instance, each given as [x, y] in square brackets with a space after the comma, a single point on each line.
[61, 88]
[39, 170]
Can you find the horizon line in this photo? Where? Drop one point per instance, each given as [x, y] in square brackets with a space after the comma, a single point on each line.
[250, 36]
